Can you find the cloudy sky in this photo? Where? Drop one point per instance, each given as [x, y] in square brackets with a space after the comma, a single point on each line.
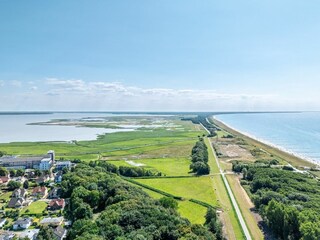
[166, 55]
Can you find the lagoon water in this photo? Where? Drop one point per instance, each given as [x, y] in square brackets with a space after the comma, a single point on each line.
[298, 133]
[14, 128]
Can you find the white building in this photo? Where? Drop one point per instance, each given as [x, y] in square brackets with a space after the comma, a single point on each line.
[2, 222]
[22, 224]
[30, 234]
[62, 165]
[45, 164]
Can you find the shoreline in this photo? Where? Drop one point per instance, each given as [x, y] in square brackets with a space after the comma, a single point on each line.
[278, 149]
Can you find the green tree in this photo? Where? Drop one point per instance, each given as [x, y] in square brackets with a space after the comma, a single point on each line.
[19, 173]
[3, 171]
[37, 173]
[12, 173]
[310, 230]
[168, 202]
[211, 215]
[244, 172]
[45, 233]
[26, 184]
[83, 211]
[12, 185]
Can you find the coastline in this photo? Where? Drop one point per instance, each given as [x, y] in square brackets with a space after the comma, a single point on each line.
[288, 155]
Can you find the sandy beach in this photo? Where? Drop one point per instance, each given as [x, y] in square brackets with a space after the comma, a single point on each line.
[303, 159]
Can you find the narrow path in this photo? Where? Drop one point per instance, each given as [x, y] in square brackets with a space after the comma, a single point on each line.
[233, 200]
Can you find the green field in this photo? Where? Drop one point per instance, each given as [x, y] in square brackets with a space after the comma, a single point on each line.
[147, 143]
[35, 208]
[4, 198]
[192, 211]
[165, 149]
[167, 166]
[199, 188]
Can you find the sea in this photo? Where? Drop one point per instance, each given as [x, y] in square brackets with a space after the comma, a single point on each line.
[14, 127]
[297, 133]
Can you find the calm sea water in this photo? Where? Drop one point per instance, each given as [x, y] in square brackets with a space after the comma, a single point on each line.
[14, 128]
[298, 133]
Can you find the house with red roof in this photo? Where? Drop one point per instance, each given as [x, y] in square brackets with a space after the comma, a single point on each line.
[56, 204]
[40, 192]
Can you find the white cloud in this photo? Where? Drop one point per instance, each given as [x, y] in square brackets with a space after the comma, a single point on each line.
[99, 95]
[16, 83]
[75, 94]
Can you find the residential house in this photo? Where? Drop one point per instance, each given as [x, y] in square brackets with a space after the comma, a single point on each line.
[22, 223]
[4, 180]
[29, 234]
[39, 192]
[52, 221]
[58, 178]
[18, 198]
[2, 222]
[17, 202]
[56, 204]
[19, 193]
[60, 233]
[54, 193]
[30, 174]
[7, 235]
[42, 179]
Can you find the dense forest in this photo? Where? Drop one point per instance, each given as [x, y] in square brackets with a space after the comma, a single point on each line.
[104, 206]
[199, 159]
[288, 201]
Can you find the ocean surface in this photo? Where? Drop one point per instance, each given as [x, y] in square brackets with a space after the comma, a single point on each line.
[297, 133]
[14, 128]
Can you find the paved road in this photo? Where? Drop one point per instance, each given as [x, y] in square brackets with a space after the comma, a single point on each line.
[233, 200]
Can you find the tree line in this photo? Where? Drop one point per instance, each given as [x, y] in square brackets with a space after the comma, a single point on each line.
[199, 158]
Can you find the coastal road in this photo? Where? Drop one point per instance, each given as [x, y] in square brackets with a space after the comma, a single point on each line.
[233, 200]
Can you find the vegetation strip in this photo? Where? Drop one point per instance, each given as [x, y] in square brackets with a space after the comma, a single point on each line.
[153, 189]
[233, 201]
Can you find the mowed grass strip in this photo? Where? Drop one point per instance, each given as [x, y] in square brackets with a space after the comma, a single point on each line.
[35, 208]
[192, 211]
[245, 205]
[211, 161]
[199, 188]
[167, 166]
[230, 221]
[232, 227]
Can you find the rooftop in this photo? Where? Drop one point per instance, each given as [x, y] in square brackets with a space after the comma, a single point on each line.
[51, 220]
[29, 233]
[63, 163]
[23, 221]
[46, 160]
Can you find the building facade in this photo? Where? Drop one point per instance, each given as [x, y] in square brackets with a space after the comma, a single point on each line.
[28, 162]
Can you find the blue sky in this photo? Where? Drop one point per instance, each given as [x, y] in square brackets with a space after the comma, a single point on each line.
[163, 55]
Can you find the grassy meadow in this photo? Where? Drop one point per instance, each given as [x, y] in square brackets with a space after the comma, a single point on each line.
[164, 149]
